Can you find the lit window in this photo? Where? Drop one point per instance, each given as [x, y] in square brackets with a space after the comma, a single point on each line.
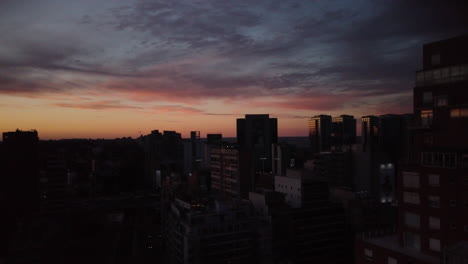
[434, 222]
[412, 220]
[433, 201]
[434, 244]
[433, 179]
[459, 113]
[426, 117]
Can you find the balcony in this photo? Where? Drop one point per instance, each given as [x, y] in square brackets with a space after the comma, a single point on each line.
[442, 75]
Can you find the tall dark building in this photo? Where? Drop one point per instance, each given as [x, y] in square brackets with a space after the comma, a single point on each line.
[255, 136]
[20, 180]
[320, 128]
[370, 133]
[343, 133]
[433, 189]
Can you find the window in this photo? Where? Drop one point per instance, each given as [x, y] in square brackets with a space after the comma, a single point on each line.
[465, 228]
[464, 161]
[459, 113]
[412, 240]
[434, 222]
[427, 97]
[410, 179]
[391, 260]
[441, 101]
[433, 201]
[433, 179]
[368, 253]
[438, 159]
[411, 198]
[412, 220]
[426, 117]
[434, 244]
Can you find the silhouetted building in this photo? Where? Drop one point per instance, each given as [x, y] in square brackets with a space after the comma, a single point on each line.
[20, 176]
[336, 168]
[370, 133]
[214, 139]
[275, 224]
[225, 176]
[164, 157]
[255, 136]
[320, 128]
[54, 183]
[211, 232]
[19, 182]
[343, 133]
[433, 192]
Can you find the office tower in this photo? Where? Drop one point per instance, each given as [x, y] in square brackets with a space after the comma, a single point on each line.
[336, 168]
[164, 156]
[319, 133]
[225, 171]
[255, 136]
[211, 232]
[433, 195]
[343, 134]
[318, 228]
[370, 133]
[273, 235]
[20, 177]
[53, 186]
[19, 182]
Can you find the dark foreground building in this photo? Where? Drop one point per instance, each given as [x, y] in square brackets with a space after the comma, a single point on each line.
[433, 191]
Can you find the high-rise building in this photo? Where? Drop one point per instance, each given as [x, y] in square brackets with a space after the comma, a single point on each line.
[211, 232]
[225, 170]
[343, 134]
[255, 136]
[370, 133]
[433, 190]
[20, 177]
[320, 128]
[19, 182]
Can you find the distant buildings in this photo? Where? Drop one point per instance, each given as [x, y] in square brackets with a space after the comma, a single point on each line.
[432, 191]
[343, 134]
[320, 128]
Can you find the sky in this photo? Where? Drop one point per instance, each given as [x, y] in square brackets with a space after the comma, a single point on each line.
[119, 68]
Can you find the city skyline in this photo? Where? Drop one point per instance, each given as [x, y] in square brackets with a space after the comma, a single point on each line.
[108, 69]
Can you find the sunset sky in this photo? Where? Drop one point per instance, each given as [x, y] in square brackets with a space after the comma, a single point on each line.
[118, 68]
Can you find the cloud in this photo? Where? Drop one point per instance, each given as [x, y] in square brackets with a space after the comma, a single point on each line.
[296, 55]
